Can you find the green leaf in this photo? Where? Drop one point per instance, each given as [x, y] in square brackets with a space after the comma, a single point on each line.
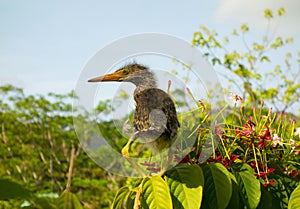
[244, 28]
[291, 91]
[249, 186]
[294, 202]
[120, 197]
[269, 93]
[217, 186]
[277, 69]
[256, 76]
[268, 14]
[289, 40]
[242, 72]
[12, 190]
[130, 200]
[234, 32]
[277, 43]
[264, 58]
[258, 47]
[266, 199]
[155, 194]
[235, 200]
[186, 186]
[215, 61]
[68, 200]
[281, 11]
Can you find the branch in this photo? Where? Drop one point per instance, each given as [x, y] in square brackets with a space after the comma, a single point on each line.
[71, 169]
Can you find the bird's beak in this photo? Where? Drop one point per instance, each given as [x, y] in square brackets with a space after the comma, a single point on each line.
[116, 76]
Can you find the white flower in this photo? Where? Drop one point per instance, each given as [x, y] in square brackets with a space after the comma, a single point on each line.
[297, 133]
[235, 98]
[292, 143]
[277, 140]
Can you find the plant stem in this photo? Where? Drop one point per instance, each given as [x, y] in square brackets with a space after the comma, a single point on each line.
[254, 153]
[71, 169]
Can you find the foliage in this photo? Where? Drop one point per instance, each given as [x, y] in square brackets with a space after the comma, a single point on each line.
[253, 68]
[256, 165]
[36, 139]
[13, 190]
[295, 199]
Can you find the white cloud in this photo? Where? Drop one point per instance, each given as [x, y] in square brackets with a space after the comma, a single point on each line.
[251, 11]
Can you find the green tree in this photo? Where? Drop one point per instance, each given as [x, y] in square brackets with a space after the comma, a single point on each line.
[252, 67]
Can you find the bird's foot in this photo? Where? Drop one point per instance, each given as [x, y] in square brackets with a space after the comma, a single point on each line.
[125, 152]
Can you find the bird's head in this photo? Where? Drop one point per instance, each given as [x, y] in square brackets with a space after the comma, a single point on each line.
[134, 73]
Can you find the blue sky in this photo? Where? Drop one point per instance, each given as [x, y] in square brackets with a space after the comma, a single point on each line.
[44, 45]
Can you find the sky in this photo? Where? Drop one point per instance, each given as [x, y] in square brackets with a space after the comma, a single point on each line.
[44, 45]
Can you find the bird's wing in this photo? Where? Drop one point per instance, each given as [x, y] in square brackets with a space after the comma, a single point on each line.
[155, 110]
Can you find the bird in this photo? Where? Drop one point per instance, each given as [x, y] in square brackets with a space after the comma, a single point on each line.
[155, 117]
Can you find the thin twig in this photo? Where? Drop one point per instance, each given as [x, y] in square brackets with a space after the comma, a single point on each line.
[71, 169]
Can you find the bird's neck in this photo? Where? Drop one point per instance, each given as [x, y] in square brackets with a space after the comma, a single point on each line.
[144, 84]
[147, 84]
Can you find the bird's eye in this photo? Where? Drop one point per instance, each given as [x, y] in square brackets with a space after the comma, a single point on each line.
[125, 71]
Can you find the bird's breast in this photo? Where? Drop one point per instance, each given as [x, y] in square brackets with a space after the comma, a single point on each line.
[155, 110]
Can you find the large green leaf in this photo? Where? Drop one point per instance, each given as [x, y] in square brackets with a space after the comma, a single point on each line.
[266, 200]
[235, 200]
[12, 190]
[120, 197]
[68, 200]
[294, 202]
[186, 186]
[155, 194]
[249, 186]
[130, 200]
[217, 186]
